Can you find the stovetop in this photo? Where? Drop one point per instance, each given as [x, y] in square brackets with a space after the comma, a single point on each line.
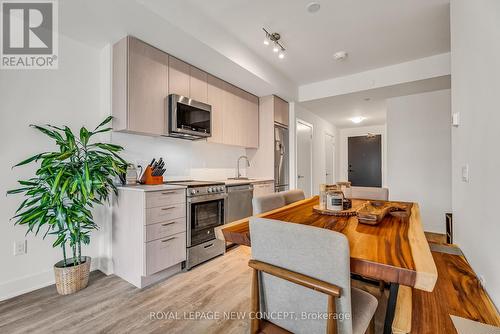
[195, 183]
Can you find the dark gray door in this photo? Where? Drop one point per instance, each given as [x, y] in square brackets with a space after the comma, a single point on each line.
[365, 160]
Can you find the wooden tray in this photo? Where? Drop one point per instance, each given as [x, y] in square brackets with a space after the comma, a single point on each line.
[344, 213]
[374, 212]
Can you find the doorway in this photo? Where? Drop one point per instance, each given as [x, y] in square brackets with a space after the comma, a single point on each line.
[304, 134]
[329, 158]
[365, 160]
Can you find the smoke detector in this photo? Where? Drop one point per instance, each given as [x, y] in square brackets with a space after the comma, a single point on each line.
[339, 56]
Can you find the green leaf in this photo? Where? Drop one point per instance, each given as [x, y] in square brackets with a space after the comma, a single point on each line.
[106, 121]
[84, 136]
[57, 179]
[30, 159]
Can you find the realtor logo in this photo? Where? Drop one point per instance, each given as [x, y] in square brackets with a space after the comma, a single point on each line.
[29, 34]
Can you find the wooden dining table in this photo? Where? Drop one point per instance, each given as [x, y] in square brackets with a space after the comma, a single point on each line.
[394, 251]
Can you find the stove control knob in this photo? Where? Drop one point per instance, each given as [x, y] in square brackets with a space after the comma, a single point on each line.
[193, 191]
[221, 188]
[209, 190]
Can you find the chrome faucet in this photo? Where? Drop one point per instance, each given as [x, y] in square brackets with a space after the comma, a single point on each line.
[238, 176]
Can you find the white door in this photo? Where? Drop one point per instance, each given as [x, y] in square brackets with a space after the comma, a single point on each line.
[304, 157]
[329, 158]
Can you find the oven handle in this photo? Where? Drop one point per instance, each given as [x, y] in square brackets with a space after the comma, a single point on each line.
[206, 198]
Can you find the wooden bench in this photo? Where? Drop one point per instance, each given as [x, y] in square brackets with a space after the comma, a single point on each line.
[457, 292]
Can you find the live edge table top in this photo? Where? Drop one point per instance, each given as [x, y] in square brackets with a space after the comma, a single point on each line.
[394, 251]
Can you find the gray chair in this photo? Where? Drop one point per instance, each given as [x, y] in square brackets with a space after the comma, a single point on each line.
[292, 196]
[268, 202]
[372, 193]
[316, 255]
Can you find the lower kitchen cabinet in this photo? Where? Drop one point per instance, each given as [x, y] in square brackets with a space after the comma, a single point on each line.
[263, 188]
[149, 234]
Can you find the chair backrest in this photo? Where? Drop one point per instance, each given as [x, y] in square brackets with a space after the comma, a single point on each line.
[293, 195]
[316, 252]
[268, 202]
[373, 193]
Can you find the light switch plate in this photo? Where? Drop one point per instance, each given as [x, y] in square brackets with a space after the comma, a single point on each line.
[465, 173]
[455, 119]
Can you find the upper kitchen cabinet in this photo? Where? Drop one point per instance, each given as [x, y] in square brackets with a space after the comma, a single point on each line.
[198, 87]
[251, 110]
[216, 92]
[280, 111]
[179, 77]
[140, 87]
[240, 118]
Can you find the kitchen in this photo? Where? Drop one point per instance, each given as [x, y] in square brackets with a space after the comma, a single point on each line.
[159, 98]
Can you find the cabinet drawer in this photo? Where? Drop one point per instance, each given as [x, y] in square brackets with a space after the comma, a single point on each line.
[165, 229]
[165, 213]
[165, 197]
[165, 252]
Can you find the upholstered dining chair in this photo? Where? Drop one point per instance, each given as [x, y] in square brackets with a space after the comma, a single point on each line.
[268, 202]
[301, 274]
[292, 196]
[373, 193]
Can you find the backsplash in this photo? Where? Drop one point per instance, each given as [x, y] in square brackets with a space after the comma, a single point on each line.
[184, 159]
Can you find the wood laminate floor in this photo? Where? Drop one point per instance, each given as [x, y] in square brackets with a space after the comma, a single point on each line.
[111, 305]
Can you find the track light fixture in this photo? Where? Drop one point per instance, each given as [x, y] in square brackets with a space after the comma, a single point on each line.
[274, 39]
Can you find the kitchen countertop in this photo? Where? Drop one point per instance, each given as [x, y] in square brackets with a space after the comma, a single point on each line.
[144, 187]
[249, 181]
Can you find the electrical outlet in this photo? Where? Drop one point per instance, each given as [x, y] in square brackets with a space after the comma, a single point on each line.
[20, 247]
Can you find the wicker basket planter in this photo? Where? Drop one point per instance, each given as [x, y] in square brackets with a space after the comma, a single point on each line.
[72, 279]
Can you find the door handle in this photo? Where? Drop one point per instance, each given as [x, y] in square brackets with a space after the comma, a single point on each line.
[169, 208]
[168, 192]
[167, 224]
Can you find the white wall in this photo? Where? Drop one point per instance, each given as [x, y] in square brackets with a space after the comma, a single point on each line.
[184, 159]
[320, 128]
[69, 95]
[475, 82]
[419, 154]
[342, 152]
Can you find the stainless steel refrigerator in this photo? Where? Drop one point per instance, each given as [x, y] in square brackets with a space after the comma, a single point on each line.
[281, 170]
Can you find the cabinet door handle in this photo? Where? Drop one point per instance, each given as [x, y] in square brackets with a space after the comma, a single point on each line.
[169, 208]
[168, 192]
[166, 240]
[208, 246]
[166, 224]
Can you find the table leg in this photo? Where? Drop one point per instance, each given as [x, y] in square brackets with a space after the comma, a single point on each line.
[391, 307]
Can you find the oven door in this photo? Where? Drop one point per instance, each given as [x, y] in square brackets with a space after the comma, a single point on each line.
[204, 213]
[189, 118]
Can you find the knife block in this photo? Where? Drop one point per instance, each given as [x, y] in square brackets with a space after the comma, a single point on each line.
[149, 179]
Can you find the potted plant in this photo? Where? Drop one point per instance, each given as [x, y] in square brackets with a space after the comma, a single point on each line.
[59, 198]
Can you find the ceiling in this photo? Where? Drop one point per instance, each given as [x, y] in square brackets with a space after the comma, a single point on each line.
[371, 104]
[374, 33]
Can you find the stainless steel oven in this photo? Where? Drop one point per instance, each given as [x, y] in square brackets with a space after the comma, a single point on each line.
[205, 210]
[189, 119]
[204, 213]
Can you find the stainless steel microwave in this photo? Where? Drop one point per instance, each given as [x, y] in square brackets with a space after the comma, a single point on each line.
[189, 119]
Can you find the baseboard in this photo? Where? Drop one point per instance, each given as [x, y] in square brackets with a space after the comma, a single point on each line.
[40, 280]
